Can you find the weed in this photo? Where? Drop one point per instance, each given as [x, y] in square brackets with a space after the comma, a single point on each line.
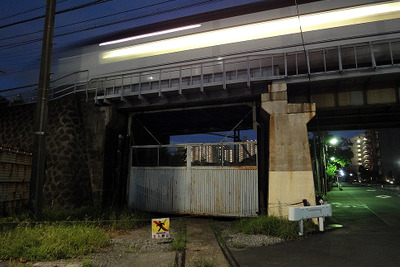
[64, 233]
[131, 248]
[19, 264]
[179, 242]
[238, 245]
[50, 242]
[204, 263]
[273, 226]
[87, 263]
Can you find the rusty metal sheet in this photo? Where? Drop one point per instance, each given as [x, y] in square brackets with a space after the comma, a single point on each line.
[219, 191]
[224, 191]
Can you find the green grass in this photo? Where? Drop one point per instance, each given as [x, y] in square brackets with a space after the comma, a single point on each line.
[87, 263]
[63, 233]
[49, 242]
[116, 219]
[204, 263]
[179, 242]
[239, 245]
[273, 226]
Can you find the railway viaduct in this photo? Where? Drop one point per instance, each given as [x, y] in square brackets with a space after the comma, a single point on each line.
[338, 76]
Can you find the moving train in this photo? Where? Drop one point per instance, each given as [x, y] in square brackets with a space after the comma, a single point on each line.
[261, 28]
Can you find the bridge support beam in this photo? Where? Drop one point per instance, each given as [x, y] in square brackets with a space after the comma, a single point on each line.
[290, 177]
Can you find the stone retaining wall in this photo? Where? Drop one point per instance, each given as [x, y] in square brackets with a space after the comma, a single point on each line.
[74, 144]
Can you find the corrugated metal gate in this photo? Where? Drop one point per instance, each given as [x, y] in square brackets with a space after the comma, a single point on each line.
[205, 179]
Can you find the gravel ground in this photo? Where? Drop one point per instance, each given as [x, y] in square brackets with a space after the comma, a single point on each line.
[127, 248]
[136, 248]
[236, 240]
[239, 240]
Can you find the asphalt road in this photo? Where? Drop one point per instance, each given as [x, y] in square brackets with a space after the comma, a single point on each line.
[369, 236]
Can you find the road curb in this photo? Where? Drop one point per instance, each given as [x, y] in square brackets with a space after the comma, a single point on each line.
[224, 248]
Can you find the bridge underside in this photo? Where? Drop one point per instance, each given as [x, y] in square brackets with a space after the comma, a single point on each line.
[342, 104]
[202, 119]
[370, 101]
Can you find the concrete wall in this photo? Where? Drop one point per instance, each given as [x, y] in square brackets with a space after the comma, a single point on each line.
[75, 147]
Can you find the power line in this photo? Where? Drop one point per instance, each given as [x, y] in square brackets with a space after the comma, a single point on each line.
[91, 20]
[112, 23]
[115, 14]
[58, 12]
[21, 13]
[22, 65]
[28, 11]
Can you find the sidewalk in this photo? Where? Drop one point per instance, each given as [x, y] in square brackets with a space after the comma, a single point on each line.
[364, 239]
[202, 248]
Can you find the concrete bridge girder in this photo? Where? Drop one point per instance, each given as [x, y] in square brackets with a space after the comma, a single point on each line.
[351, 102]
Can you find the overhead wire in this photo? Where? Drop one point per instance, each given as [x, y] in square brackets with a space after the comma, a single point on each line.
[22, 13]
[135, 18]
[304, 50]
[23, 65]
[90, 20]
[29, 10]
[111, 23]
[58, 12]
[20, 56]
[80, 22]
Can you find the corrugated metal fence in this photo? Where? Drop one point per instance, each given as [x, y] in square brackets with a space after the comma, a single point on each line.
[15, 174]
[215, 179]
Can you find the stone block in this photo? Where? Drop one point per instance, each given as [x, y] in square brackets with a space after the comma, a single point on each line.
[277, 87]
[301, 108]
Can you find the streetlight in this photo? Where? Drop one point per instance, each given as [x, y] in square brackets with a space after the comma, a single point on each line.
[333, 141]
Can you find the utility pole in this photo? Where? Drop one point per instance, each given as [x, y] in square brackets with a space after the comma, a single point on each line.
[41, 119]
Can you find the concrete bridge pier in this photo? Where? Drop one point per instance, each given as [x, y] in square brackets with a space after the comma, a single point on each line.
[290, 176]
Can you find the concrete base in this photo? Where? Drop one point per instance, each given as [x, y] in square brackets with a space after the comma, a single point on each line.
[288, 188]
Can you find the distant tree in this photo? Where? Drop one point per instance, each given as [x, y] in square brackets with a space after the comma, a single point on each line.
[331, 157]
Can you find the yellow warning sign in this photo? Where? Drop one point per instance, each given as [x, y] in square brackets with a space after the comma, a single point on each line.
[160, 228]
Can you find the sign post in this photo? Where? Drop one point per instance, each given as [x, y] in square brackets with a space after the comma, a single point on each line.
[160, 228]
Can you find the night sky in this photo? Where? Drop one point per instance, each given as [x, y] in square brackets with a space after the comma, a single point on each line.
[21, 27]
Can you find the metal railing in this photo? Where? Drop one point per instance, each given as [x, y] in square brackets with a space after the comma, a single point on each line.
[249, 68]
[239, 69]
[199, 154]
[72, 83]
[69, 84]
